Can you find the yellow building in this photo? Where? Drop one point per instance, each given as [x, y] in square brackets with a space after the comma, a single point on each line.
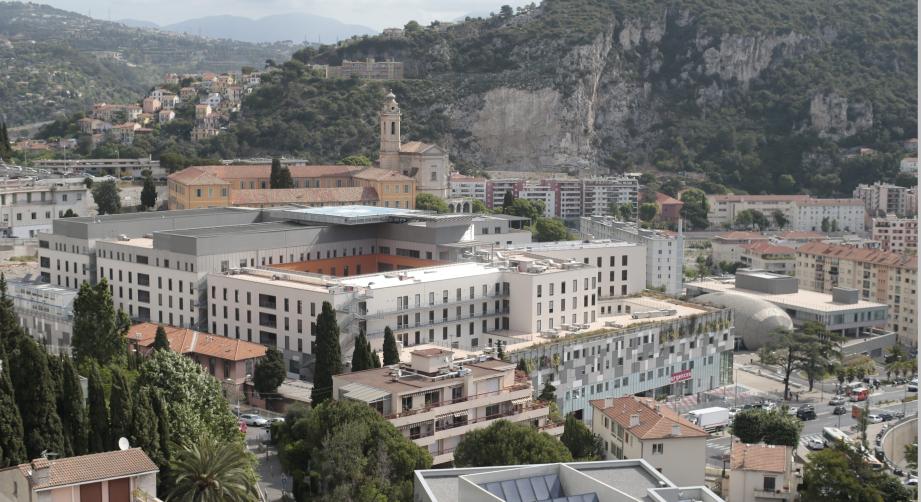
[194, 188]
[393, 188]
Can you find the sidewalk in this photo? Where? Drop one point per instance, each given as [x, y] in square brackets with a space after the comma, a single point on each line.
[272, 480]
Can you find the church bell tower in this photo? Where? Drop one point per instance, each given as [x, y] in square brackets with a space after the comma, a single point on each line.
[390, 133]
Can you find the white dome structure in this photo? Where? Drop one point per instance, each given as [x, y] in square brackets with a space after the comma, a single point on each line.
[756, 320]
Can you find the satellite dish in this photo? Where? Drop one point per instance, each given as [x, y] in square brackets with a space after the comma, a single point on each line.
[123, 444]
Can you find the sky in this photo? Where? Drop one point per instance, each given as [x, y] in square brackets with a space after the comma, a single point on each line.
[377, 14]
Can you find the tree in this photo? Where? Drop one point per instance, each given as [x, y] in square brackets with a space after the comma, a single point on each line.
[825, 225]
[375, 359]
[580, 441]
[478, 207]
[507, 199]
[412, 27]
[505, 12]
[648, 211]
[361, 356]
[548, 393]
[107, 197]
[429, 202]
[99, 331]
[329, 355]
[88, 182]
[549, 230]
[695, 208]
[208, 469]
[12, 447]
[623, 212]
[523, 366]
[148, 193]
[744, 219]
[35, 397]
[771, 427]
[144, 431]
[834, 226]
[6, 151]
[161, 341]
[161, 412]
[69, 214]
[391, 352]
[507, 443]
[841, 473]
[344, 450]
[269, 372]
[786, 184]
[120, 407]
[71, 409]
[812, 349]
[500, 350]
[280, 177]
[355, 160]
[780, 220]
[911, 455]
[98, 411]
[820, 352]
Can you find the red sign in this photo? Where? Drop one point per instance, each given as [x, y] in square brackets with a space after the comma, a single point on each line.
[681, 376]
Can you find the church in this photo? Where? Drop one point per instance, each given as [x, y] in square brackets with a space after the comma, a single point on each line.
[428, 164]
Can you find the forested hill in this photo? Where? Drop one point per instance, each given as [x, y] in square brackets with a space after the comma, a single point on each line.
[54, 61]
[743, 93]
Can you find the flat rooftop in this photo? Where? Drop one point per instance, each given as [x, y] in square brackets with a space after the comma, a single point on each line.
[801, 300]
[571, 245]
[409, 381]
[354, 215]
[420, 275]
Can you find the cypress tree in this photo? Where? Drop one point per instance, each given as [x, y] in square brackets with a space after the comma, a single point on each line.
[55, 369]
[160, 340]
[119, 409]
[98, 412]
[71, 408]
[144, 426]
[9, 325]
[35, 398]
[391, 352]
[507, 200]
[161, 412]
[500, 351]
[99, 330]
[329, 355]
[12, 447]
[361, 357]
[273, 174]
[375, 359]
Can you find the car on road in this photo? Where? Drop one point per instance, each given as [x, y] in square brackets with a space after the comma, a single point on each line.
[886, 416]
[912, 481]
[251, 419]
[874, 419]
[839, 410]
[276, 420]
[806, 412]
[913, 387]
[837, 401]
[815, 444]
[792, 410]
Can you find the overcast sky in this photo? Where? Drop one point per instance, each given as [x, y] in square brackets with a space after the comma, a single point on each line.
[376, 14]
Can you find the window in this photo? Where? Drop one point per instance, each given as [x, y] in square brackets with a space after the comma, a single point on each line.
[657, 448]
[770, 483]
[407, 403]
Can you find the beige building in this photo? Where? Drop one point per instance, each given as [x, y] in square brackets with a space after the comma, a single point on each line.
[881, 276]
[311, 197]
[899, 235]
[368, 69]
[803, 212]
[761, 473]
[631, 427]
[764, 255]
[435, 399]
[113, 476]
[425, 162]
[194, 188]
[728, 247]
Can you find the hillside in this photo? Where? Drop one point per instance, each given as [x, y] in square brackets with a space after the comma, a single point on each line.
[740, 92]
[53, 61]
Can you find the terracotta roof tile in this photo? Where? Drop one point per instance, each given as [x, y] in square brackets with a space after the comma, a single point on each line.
[378, 174]
[195, 175]
[795, 235]
[656, 420]
[759, 457]
[860, 255]
[354, 195]
[259, 171]
[662, 198]
[736, 236]
[765, 247]
[184, 341]
[757, 198]
[88, 468]
[415, 147]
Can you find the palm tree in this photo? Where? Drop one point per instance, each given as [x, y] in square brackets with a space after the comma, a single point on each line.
[212, 471]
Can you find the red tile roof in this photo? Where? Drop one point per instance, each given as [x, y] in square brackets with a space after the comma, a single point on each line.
[378, 174]
[765, 247]
[87, 468]
[832, 202]
[655, 420]
[415, 147]
[800, 235]
[354, 195]
[664, 199]
[742, 236]
[860, 255]
[184, 340]
[197, 176]
[759, 457]
[757, 198]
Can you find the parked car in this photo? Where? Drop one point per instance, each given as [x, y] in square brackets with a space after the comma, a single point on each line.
[874, 419]
[886, 416]
[839, 410]
[912, 481]
[792, 410]
[913, 387]
[837, 401]
[250, 419]
[276, 420]
[806, 412]
[815, 444]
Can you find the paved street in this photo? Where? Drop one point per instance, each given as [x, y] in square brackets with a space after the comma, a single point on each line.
[273, 480]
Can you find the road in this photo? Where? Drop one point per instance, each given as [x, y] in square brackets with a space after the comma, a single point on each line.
[718, 446]
[272, 480]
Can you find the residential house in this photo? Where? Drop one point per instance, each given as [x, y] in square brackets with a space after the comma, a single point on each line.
[165, 116]
[113, 476]
[124, 133]
[633, 427]
[669, 208]
[201, 133]
[762, 472]
[194, 188]
[151, 105]
[213, 100]
[187, 93]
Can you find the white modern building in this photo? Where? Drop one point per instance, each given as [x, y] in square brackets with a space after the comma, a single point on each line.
[664, 250]
[540, 193]
[45, 311]
[803, 212]
[881, 199]
[28, 207]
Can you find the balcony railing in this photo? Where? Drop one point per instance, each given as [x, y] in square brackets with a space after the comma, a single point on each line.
[437, 404]
[534, 405]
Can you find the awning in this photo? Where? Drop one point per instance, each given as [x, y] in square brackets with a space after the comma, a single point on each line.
[363, 393]
[523, 400]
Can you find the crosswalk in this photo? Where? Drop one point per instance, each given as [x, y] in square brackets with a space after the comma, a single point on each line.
[804, 440]
[720, 446]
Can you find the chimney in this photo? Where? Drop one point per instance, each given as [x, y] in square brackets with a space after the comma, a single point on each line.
[634, 420]
[41, 471]
[608, 402]
[676, 430]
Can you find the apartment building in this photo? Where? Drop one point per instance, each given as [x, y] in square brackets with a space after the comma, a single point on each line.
[881, 199]
[369, 69]
[898, 235]
[111, 476]
[435, 398]
[600, 193]
[880, 276]
[768, 256]
[729, 246]
[542, 194]
[664, 250]
[762, 472]
[602, 481]
[45, 311]
[28, 207]
[803, 212]
[570, 198]
[98, 167]
[467, 187]
[640, 428]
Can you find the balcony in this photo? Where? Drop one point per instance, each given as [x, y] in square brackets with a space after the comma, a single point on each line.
[462, 404]
[778, 494]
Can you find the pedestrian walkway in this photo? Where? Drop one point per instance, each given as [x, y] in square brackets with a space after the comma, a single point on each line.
[272, 480]
[804, 440]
